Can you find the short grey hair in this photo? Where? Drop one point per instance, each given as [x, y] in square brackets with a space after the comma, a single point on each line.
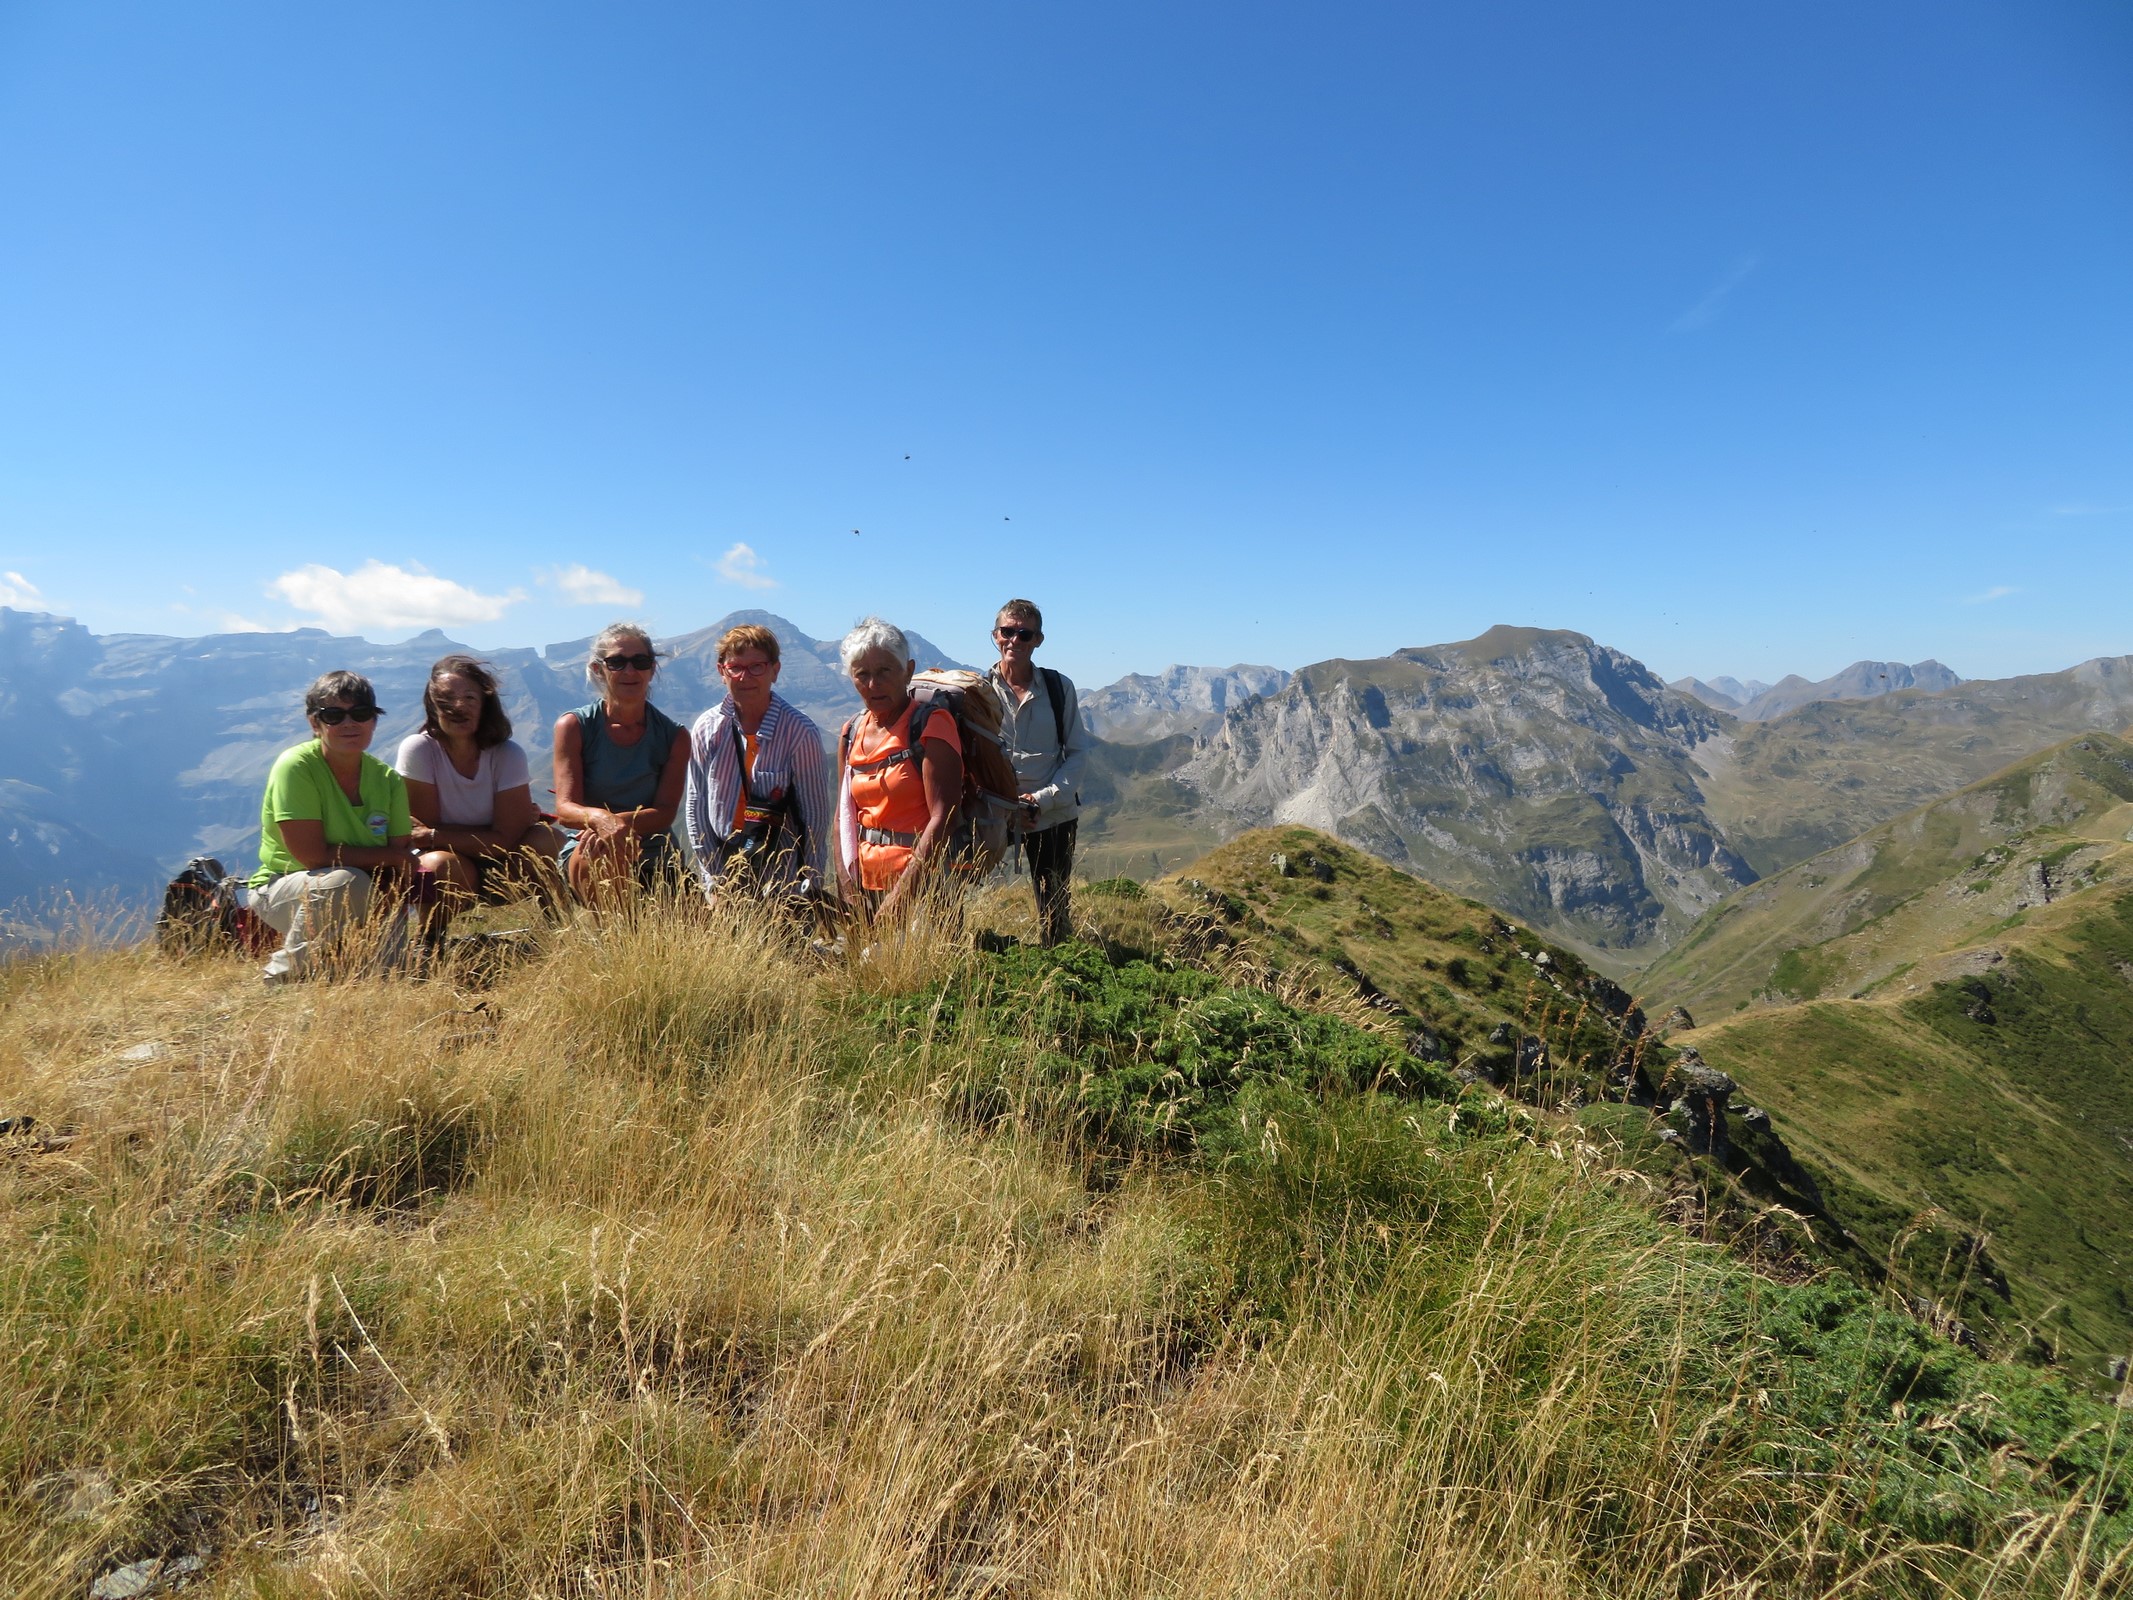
[604, 641]
[872, 634]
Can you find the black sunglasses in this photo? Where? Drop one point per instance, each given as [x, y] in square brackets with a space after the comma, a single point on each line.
[334, 716]
[643, 661]
[1016, 633]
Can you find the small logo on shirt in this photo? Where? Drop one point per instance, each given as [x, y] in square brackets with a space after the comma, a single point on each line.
[377, 824]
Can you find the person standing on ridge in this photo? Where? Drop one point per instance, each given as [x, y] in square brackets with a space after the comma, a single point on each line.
[758, 801]
[1048, 748]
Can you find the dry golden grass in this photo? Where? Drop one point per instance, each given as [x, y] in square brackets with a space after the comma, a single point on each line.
[660, 1269]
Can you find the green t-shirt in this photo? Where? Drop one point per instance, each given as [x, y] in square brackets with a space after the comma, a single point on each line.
[303, 786]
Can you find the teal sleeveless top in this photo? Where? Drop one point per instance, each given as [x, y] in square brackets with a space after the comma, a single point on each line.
[624, 777]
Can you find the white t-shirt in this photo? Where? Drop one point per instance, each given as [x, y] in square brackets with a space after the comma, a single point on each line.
[463, 802]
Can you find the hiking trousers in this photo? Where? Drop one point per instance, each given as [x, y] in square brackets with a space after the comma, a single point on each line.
[1050, 854]
[315, 911]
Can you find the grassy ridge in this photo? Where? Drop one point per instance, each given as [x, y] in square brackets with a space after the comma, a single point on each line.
[1997, 1106]
[1946, 875]
[675, 1264]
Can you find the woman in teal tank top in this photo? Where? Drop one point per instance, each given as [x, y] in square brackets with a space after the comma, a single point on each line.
[620, 764]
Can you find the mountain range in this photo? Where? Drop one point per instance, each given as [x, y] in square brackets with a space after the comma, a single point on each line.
[1862, 680]
[1534, 769]
[1143, 707]
[1559, 779]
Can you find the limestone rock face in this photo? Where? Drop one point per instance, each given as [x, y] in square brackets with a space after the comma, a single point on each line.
[1143, 707]
[1532, 769]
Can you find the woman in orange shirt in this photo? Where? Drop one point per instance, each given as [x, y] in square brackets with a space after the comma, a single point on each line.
[897, 799]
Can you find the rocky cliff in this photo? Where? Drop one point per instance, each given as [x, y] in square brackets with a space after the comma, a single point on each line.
[1530, 768]
[1144, 707]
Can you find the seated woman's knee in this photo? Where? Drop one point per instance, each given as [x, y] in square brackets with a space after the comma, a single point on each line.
[453, 871]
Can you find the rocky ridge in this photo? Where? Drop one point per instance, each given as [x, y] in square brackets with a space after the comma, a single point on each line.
[1755, 701]
[1142, 708]
[1530, 768]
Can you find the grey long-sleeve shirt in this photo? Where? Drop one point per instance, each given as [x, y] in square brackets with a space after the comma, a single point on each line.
[1044, 766]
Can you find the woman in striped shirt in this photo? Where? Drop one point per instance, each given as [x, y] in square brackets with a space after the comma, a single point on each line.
[758, 803]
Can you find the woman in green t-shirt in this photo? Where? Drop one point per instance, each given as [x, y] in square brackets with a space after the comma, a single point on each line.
[334, 833]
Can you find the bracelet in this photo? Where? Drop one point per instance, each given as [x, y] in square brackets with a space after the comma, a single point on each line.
[338, 859]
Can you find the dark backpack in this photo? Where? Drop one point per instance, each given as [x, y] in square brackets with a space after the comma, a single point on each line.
[1055, 691]
[204, 909]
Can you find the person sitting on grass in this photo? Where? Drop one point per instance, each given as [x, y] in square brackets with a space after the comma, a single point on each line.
[758, 805]
[620, 764]
[471, 795]
[897, 797]
[335, 836]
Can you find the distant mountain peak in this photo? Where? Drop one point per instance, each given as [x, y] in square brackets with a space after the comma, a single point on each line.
[1143, 707]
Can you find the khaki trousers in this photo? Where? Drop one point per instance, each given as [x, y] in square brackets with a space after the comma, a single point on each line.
[314, 912]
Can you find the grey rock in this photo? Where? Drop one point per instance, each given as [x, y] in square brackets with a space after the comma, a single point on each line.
[1281, 864]
[145, 1577]
[1699, 1109]
[80, 1494]
[1679, 1018]
[1142, 708]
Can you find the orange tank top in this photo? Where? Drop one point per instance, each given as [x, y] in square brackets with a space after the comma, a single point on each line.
[892, 800]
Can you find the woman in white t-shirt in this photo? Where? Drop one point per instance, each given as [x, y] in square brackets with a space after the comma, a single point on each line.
[469, 789]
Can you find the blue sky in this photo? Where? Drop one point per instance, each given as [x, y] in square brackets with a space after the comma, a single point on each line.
[1751, 338]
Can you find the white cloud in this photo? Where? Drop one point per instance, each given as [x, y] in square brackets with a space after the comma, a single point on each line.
[225, 621]
[1999, 591]
[743, 566]
[582, 586]
[1705, 311]
[16, 590]
[378, 595]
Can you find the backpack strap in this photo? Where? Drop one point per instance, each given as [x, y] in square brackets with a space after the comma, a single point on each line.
[911, 750]
[782, 811]
[1055, 691]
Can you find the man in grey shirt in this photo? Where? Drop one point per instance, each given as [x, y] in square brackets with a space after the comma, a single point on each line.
[1045, 742]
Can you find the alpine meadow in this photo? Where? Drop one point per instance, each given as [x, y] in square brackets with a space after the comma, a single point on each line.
[1040, 802]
